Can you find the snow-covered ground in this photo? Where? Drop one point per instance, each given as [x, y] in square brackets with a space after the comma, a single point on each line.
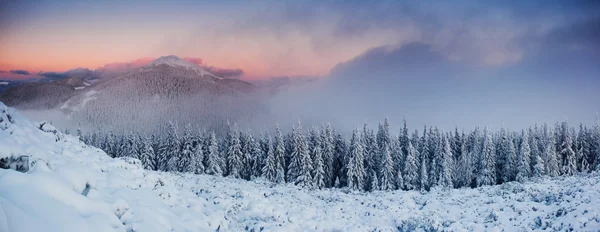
[74, 187]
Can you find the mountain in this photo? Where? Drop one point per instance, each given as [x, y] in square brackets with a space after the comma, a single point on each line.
[43, 95]
[8, 84]
[51, 181]
[167, 89]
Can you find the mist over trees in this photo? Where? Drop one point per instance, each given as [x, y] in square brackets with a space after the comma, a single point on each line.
[364, 160]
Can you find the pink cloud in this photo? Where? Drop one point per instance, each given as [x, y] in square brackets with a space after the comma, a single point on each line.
[197, 61]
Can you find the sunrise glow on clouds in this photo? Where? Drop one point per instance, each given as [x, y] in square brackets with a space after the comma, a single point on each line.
[270, 38]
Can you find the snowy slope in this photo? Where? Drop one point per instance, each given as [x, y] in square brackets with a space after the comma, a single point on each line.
[74, 187]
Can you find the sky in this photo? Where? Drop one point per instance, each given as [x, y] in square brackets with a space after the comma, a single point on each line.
[505, 57]
[273, 38]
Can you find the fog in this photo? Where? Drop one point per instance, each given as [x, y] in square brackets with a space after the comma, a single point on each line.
[418, 83]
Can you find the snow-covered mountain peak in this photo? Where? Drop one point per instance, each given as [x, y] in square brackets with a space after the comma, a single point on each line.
[175, 61]
[172, 60]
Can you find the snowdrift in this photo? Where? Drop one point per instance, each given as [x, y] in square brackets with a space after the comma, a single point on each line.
[50, 181]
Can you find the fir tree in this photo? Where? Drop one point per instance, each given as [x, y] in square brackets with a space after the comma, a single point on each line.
[319, 171]
[538, 168]
[169, 150]
[355, 168]
[198, 158]
[411, 170]
[465, 173]
[387, 170]
[507, 158]
[374, 182]
[341, 159]
[110, 144]
[566, 151]
[279, 153]
[523, 172]
[583, 150]
[434, 151]
[303, 178]
[423, 178]
[186, 158]
[214, 161]
[293, 170]
[447, 164]
[234, 155]
[552, 168]
[371, 150]
[328, 155]
[398, 159]
[486, 175]
[597, 139]
[147, 155]
[269, 171]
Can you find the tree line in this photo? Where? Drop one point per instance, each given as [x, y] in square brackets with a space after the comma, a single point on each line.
[365, 160]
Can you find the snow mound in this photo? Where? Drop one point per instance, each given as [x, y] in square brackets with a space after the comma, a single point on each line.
[70, 186]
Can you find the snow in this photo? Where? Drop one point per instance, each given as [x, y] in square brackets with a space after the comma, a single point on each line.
[71, 186]
[3, 83]
[172, 61]
[175, 61]
[80, 87]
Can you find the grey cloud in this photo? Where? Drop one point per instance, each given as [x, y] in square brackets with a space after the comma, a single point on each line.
[20, 72]
[78, 72]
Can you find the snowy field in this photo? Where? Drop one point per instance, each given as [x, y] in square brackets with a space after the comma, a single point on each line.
[70, 186]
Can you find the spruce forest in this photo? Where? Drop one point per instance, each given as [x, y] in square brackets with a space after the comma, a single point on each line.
[365, 160]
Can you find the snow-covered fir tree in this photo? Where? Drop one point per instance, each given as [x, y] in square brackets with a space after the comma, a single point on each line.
[539, 168]
[318, 167]
[411, 170]
[265, 146]
[110, 144]
[423, 177]
[371, 153]
[464, 167]
[328, 155]
[398, 158]
[341, 159]
[169, 150]
[434, 151]
[523, 170]
[296, 153]
[214, 162]
[235, 157]
[507, 158]
[147, 154]
[387, 180]
[596, 138]
[447, 165]
[486, 166]
[583, 150]
[374, 182]
[300, 149]
[279, 152]
[198, 158]
[269, 171]
[186, 156]
[552, 168]
[355, 167]
[568, 159]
